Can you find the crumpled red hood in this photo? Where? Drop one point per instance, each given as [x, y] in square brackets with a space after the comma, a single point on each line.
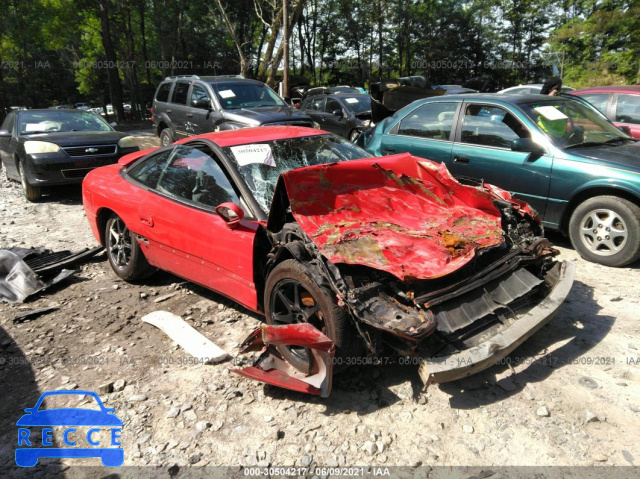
[401, 214]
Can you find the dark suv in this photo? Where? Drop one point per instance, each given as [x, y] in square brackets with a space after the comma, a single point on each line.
[187, 105]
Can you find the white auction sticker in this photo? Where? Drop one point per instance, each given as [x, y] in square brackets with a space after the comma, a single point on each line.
[351, 100]
[255, 153]
[226, 94]
[551, 113]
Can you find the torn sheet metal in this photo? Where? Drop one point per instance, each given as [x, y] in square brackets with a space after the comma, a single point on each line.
[18, 281]
[399, 214]
[187, 337]
[270, 368]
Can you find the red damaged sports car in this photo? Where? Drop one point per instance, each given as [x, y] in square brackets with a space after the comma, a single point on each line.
[348, 257]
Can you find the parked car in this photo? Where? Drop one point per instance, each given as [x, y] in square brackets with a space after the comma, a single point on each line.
[621, 104]
[583, 179]
[188, 105]
[529, 89]
[343, 114]
[82, 106]
[381, 256]
[328, 90]
[57, 147]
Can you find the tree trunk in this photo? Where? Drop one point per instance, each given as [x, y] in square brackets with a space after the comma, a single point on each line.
[115, 88]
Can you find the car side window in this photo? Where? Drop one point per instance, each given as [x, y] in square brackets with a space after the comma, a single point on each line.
[599, 100]
[148, 172]
[491, 126]
[628, 109]
[432, 120]
[198, 93]
[194, 176]
[317, 104]
[180, 93]
[332, 105]
[163, 92]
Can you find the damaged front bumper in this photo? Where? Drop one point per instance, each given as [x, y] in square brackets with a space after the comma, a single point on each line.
[475, 359]
[270, 368]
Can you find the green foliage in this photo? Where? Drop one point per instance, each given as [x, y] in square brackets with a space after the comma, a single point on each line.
[52, 51]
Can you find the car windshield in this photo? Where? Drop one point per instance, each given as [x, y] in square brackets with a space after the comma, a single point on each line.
[234, 95]
[32, 122]
[262, 163]
[358, 104]
[569, 123]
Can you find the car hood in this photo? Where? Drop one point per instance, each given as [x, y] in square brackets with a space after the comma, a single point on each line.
[400, 214]
[78, 138]
[626, 155]
[265, 114]
[69, 417]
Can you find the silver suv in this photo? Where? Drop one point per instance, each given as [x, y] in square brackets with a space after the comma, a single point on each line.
[187, 105]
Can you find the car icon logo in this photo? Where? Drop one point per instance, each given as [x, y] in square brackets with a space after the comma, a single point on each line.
[28, 452]
[91, 150]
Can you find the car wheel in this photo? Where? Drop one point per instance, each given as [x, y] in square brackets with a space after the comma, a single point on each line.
[165, 137]
[606, 230]
[353, 136]
[31, 193]
[291, 296]
[124, 253]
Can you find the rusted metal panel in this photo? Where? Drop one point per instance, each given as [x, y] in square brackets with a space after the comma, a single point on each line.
[400, 214]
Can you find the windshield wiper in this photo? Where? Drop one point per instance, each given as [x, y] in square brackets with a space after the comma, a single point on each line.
[34, 132]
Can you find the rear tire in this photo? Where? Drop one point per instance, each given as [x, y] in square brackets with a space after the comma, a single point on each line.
[606, 230]
[31, 193]
[291, 296]
[166, 138]
[125, 256]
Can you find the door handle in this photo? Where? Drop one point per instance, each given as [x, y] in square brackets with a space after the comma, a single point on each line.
[146, 219]
[168, 111]
[461, 159]
[189, 115]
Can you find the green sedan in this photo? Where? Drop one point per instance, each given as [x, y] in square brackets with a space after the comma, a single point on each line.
[559, 154]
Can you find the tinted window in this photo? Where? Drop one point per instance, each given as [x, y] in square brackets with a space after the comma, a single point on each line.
[148, 172]
[198, 93]
[628, 109]
[433, 120]
[491, 126]
[194, 176]
[599, 100]
[163, 92]
[332, 105]
[358, 104]
[180, 93]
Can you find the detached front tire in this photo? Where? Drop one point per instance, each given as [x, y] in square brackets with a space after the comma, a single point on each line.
[31, 193]
[606, 230]
[125, 256]
[291, 296]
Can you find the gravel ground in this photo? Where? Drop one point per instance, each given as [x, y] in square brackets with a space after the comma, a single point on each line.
[569, 398]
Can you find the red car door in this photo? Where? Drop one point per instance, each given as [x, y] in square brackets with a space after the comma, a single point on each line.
[183, 233]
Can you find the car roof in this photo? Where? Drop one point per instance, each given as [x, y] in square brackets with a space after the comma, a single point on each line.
[494, 97]
[256, 134]
[610, 89]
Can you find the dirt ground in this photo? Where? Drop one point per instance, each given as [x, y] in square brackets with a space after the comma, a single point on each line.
[571, 396]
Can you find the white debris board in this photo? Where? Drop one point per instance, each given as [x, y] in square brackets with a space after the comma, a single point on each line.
[188, 338]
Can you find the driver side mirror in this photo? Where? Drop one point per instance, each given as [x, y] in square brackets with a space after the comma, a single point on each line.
[202, 103]
[337, 113]
[5, 134]
[526, 145]
[230, 213]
